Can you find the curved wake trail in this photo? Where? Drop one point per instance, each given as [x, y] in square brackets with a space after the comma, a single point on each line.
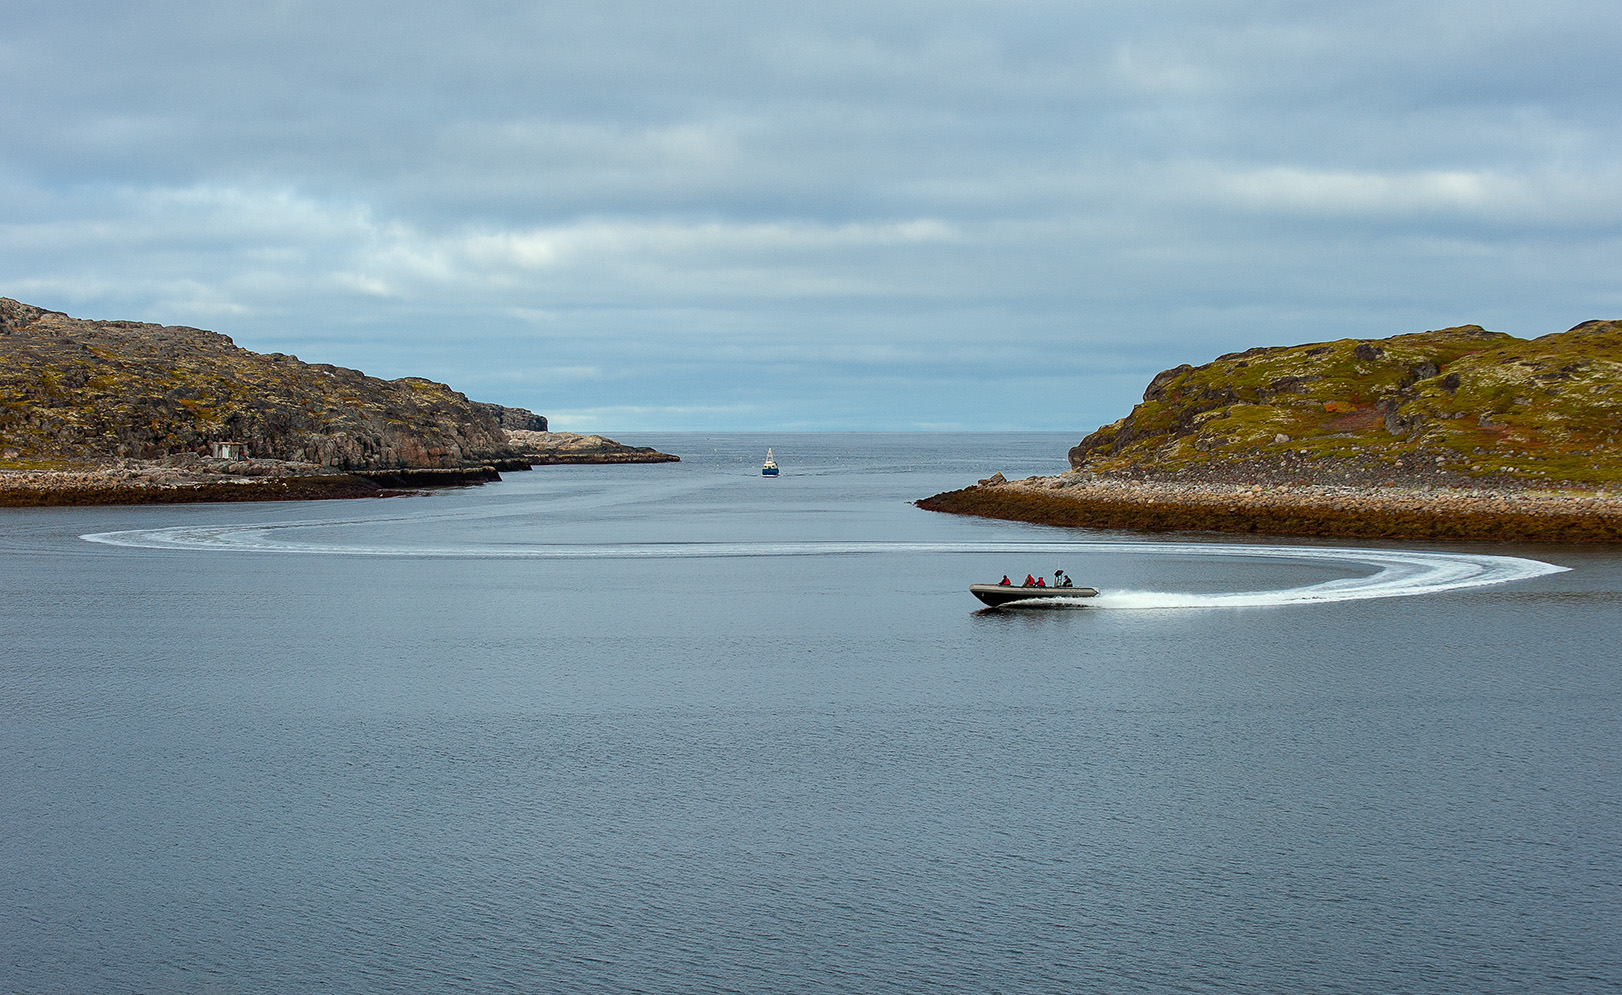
[1399, 574]
[1377, 573]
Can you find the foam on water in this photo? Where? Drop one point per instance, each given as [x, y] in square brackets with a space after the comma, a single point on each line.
[1399, 573]
[1395, 573]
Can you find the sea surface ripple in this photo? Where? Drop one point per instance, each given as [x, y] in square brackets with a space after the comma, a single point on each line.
[1383, 573]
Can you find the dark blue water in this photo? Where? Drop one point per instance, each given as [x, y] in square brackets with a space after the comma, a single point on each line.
[680, 729]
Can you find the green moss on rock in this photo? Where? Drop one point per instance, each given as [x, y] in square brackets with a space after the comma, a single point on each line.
[1475, 403]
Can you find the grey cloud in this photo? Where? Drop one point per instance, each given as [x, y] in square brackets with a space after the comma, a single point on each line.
[804, 208]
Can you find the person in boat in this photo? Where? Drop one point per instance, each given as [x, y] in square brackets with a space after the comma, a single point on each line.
[1040, 582]
[1029, 581]
[1060, 580]
[1005, 582]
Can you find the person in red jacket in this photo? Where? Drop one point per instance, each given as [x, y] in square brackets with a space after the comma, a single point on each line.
[1030, 581]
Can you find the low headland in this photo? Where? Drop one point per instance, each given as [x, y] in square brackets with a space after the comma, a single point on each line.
[121, 412]
[1459, 433]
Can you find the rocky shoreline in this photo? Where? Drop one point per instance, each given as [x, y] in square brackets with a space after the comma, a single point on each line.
[188, 478]
[1420, 511]
[194, 480]
[1454, 433]
[122, 412]
[555, 448]
[125, 483]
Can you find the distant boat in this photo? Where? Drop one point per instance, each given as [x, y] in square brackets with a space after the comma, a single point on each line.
[769, 469]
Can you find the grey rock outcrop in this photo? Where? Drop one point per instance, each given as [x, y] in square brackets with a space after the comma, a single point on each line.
[514, 419]
[77, 389]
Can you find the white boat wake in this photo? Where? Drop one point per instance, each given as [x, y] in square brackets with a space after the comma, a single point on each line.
[1373, 573]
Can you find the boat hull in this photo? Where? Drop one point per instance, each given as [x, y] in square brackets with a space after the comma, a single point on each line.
[1004, 595]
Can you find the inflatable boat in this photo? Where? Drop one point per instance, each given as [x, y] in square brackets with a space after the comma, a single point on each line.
[1011, 595]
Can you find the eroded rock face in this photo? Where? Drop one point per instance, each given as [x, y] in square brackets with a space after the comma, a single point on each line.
[94, 389]
[514, 419]
[1465, 400]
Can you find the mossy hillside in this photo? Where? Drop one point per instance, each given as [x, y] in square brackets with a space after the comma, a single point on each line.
[1462, 401]
[74, 390]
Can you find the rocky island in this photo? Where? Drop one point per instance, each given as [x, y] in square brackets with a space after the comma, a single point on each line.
[1459, 433]
[114, 412]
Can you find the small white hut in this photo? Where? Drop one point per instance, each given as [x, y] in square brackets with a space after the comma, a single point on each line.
[228, 450]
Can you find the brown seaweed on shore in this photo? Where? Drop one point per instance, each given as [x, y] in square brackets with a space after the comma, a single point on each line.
[1366, 520]
[293, 488]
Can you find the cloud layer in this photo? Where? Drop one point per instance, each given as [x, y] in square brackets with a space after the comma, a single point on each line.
[722, 215]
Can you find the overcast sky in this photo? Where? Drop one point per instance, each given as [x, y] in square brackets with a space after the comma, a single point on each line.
[830, 215]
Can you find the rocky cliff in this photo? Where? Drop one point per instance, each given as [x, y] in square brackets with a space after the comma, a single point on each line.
[514, 419]
[72, 389]
[1455, 407]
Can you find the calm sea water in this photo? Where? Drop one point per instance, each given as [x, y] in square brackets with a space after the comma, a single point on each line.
[681, 729]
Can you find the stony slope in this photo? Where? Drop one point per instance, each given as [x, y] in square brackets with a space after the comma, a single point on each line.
[1456, 407]
[75, 390]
